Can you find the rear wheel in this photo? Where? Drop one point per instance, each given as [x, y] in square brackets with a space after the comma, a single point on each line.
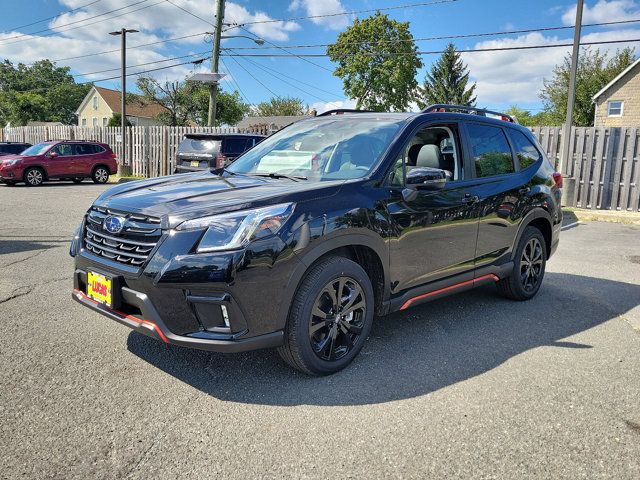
[33, 177]
[100, 175]
[330, 318]
[529, 267]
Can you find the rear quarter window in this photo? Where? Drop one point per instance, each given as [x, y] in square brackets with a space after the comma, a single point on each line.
[234, 146]
[526, 151]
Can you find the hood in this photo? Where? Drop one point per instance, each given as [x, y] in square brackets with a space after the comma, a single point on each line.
[179, 197]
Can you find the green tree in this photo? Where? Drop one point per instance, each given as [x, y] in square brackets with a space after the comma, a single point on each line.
[377, 61]
[595, 70]
[447, 82]
[39, 92]
[188, 102]
[115, 120]
[277, 106]
[528, 119]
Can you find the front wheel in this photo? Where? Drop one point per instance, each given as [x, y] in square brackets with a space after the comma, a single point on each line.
[100, 175]
[529, 266]
[33, 177]
[330, 318]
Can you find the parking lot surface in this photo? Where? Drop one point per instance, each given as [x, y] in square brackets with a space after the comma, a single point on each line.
[470, 386]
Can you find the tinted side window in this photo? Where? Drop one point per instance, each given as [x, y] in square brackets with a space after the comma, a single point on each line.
[526, 151]
[83, 149]
[490, 150]
[63, 149]
[235, 145]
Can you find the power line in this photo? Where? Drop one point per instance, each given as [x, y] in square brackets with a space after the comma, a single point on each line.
[234, 80]
[264, 67]
[286, 51]
[140, 64]
[336, 14]
[173, 39]
[55, 16]
[252, 76]
[285, 81]
[433, 52]
[451, 37]
[131, 74]
[191, 13]
[56, 29]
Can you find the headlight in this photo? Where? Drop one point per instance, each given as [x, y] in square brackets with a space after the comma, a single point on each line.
[15, 161]
[230, 231]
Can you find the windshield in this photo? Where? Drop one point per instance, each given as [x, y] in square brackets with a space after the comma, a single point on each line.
[322, 149]
[38, 149]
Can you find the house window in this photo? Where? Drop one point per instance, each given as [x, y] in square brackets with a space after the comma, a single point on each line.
[105, 120]
[615, 108]
[84, 122]
[95, 122]
[95, 102]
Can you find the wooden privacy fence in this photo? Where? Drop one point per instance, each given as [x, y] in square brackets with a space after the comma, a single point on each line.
[151, 150]
[604, 172]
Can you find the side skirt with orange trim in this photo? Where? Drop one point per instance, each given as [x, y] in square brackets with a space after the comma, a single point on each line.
[468, 283]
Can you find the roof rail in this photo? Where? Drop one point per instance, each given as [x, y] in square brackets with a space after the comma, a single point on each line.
[483, 112]
[341, 111]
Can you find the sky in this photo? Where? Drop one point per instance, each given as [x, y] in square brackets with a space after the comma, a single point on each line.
[503, 78]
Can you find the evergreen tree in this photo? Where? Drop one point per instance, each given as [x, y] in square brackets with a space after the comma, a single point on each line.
[447, 82]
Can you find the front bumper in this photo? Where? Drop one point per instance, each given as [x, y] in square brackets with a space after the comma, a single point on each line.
[155, 328]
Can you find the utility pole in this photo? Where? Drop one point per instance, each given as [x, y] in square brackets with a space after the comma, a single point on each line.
[565, 156]
[124, 167]
[215, 56]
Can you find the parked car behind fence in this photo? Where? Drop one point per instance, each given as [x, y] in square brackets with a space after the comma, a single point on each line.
[200, 151]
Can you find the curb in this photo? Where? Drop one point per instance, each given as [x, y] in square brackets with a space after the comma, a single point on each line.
[612, 216]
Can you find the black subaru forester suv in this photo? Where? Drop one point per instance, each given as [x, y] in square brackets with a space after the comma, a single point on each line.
[319, 228]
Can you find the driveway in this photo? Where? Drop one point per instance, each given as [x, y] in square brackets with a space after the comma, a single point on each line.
[470, 386]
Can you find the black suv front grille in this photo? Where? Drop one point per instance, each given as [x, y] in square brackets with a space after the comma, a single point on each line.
[131, 246]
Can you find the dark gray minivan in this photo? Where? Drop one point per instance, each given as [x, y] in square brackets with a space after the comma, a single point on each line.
[201, 151]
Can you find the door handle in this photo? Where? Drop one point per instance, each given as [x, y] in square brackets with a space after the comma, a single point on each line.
[470, 198]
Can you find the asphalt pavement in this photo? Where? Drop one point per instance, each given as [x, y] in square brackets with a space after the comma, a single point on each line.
[470, 386]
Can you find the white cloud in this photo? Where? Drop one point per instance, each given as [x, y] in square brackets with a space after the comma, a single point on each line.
[322, 7]
[155, 23]
[516, 76]
[336, 104]
[604, 11]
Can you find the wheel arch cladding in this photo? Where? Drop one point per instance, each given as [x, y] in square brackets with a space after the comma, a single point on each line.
[540, 219]
[359, 248]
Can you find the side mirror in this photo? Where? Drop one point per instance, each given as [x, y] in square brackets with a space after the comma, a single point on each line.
[426, 178]
[53, 154]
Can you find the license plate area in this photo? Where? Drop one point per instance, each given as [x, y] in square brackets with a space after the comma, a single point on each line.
[195, 163]
[100, 288]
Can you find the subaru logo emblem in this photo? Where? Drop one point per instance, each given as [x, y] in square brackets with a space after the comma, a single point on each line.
[113, 224]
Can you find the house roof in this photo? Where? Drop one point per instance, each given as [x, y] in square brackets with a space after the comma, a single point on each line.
[616, 80]
[278, 121]
[113, 100]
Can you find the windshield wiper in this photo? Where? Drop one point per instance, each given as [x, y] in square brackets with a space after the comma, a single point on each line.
[295, 178]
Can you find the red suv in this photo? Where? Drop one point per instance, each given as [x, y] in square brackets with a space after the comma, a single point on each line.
[70, 160]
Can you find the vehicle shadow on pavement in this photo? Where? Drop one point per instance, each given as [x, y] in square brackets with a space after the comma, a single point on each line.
[409, 353]
[19, 246]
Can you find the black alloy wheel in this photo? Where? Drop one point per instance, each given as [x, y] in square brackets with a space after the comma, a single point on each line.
[337, 318]
[529, 261]
[531, 265]
[330, 317]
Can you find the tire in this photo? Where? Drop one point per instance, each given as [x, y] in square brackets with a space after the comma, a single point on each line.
[326, 343]
[100, 174]
[77, 180]
[530, 262]
[33, 177]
